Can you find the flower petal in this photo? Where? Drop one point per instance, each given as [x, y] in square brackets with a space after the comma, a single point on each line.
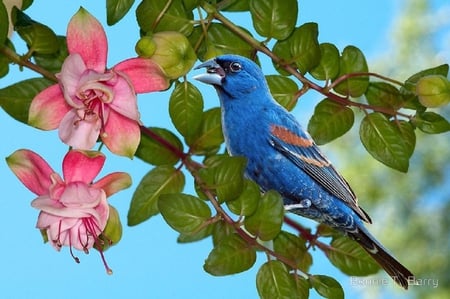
[82, 166]
[72, 70]
[85, 36]
[32, 170]
[122, 135]
[113, 182]
[48, 108]
[124, 101]
[77, 132]
[145, 75]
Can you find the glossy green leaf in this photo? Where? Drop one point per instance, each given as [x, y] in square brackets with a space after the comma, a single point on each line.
[247, 201]
[284, 90]
[382, 94]
[39, 38]
[328, 67]
[326, 286]
[219, 40]
[4, 61]
[191, 4]
[433, 91]
[232, 255]
[160, 180]
[352, 61]
[16, 99]
[301, 48]
[224, 175]
[197, 235]
[330, 121]
[112, 233]
[274, 281]
[274, 18]
[173, 53]
[388, 142]
[293, 248]
[266, 222]
[302, 286]
[431, 123]
[4, 23]
[186, 108]
[349, 257]
[221, 231]
[151, 17]
[156, 153]
[233, 5]
[184, 213]
[53, 62]
[209, 135]
[116, 10]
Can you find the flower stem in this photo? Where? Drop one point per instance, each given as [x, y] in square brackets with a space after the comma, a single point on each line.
[14, 57]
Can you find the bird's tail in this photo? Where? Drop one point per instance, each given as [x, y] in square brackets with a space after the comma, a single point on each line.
[399, 273]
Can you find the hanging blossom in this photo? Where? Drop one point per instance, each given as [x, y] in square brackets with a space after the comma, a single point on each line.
[91, 101]
[73, 210]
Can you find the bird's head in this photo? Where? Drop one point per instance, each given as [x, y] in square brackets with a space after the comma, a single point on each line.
[234, 76]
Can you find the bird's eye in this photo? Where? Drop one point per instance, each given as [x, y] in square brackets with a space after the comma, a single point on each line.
[235, 67]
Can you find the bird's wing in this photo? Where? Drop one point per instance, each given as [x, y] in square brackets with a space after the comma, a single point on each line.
[298, 147]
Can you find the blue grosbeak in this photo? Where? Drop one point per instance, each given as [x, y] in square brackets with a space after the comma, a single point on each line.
[283, 157]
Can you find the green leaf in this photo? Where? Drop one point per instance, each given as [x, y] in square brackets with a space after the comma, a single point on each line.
[327, 286]
[224, 175]
[151, 17]
[4, 23]
[330, 121]
[186, 108]
[39, 38]
[247, 201]
[293, 248]
[209, 136]
[302, 286]
[348, 256]
[155, 153]
[389, 142]
[274, 281]
[4, 61]
[184, 213]
[382, 94]
[233, 5]
[266, 222]
[232, 255]
[221, 231]
[197, 235]
[352, 61]
[53, 62]
[328, 67]
[160, 180]
[116, 10]
[219, 40]
[433, 91]
[274, 18]
[173, 53]
[284, 90]
[301, 48]
[16, 99]
[431, 123]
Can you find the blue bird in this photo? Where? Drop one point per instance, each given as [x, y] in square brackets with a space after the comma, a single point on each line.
[283, 157]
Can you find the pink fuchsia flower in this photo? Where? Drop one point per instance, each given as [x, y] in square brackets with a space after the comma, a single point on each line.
[91, 101]
[73, 210]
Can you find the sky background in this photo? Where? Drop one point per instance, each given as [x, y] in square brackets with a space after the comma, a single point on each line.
[148, 263]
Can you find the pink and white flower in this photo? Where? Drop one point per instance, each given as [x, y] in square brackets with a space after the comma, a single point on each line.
[91, 101]
[73, 210]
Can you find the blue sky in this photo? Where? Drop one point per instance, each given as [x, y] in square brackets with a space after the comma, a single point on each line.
[147, 263]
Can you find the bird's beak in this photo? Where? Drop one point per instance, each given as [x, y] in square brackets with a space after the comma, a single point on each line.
[214, 73]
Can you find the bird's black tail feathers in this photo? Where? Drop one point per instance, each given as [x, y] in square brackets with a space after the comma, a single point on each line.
[399, 273]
